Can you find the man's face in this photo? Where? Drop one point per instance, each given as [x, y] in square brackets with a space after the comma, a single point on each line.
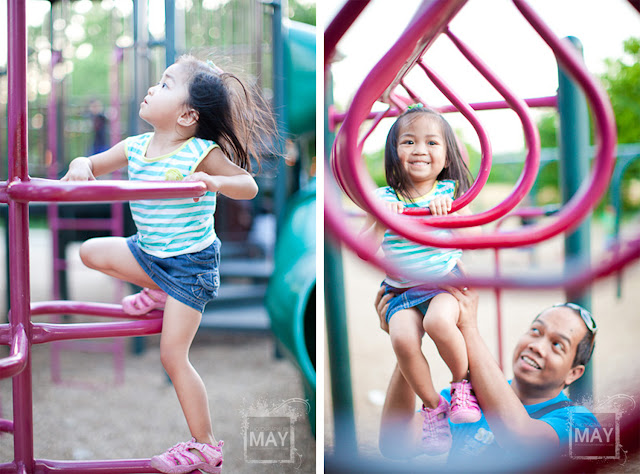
[544, 355]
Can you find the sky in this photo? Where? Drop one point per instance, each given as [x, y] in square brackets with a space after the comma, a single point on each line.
[498, 33]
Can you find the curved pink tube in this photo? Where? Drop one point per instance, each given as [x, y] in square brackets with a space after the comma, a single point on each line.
[532, 161]
[575, 278]
[339, 26]
[485, 144]
[573, 212]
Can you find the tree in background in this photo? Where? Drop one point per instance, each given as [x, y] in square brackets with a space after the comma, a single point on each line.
[622, 83]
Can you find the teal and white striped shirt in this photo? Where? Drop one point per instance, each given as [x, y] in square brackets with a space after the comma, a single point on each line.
[413, 257]
[170, 227]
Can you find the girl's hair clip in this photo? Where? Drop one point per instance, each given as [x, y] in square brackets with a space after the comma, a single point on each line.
[415, 106]
[214, 67]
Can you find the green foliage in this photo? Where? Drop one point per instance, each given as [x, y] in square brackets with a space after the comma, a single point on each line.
[303, 12]
[547, 126]
[622, 81]
[375, 165]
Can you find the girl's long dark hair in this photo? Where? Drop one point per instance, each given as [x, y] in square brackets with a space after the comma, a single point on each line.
[455, 167]
[231, 113]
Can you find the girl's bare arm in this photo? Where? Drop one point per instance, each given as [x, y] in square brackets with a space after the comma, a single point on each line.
[88, 168]
[221, 175]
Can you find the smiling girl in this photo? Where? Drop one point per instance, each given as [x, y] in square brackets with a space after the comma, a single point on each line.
[424, 168]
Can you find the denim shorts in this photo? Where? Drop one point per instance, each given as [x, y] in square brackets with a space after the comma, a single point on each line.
[192, 278]
[417, 297]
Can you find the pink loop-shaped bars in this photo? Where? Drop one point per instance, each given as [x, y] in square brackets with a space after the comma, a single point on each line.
[571, 215]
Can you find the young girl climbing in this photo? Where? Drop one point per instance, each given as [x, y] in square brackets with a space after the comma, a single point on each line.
[206, 126]
[424, 168]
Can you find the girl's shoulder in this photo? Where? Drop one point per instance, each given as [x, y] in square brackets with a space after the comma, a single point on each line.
[204, 142]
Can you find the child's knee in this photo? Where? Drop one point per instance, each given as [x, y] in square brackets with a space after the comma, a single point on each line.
[442, 315]
[170, 358]
[405, 344]
[435, 325]
[88, 253]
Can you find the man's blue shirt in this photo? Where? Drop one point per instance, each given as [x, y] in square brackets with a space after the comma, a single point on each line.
[475, 443]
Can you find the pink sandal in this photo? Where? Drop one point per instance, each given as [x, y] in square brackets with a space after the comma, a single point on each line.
[182, 459]
[143, 302]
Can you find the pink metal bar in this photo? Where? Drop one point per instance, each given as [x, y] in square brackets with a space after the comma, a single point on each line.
[485, 144]
[87, 309]
[550, 101]
[44, 190]
[573, 212]
[49, 332]
[17, 360]
[120, 466]
[532, 161]
[575, 278]
[6, 426]
[19, 229]
[431, 18]
[340, 24]
[524, 212]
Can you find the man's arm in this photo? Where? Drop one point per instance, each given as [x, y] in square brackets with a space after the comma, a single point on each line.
[505, 413]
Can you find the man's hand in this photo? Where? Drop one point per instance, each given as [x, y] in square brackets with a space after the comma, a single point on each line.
[468, 301]
[382, 305]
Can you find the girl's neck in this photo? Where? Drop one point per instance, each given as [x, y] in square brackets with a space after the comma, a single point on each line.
[417, 190]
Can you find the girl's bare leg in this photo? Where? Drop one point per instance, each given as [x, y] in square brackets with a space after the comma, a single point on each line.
[111, 255]
[179, 326]
[400, 426]
[405, 329]
[440, 324]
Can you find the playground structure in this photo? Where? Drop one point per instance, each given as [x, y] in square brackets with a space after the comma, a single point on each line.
[386, 85]
[20, 190]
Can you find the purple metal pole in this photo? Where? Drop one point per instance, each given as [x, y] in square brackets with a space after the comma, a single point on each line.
[19, 296]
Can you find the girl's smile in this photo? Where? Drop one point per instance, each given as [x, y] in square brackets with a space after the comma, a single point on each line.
[422, 151]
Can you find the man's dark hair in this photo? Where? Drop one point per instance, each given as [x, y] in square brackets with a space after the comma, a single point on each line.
[587, 344]
[584, 351]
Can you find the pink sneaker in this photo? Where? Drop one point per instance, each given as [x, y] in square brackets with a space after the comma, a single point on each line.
[181, 460]
[143, 302]
[464, 404]
[436, 434]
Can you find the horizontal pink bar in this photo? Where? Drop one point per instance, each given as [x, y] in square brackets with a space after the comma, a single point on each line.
[46, 190]
[550, 101]
[6, 426]
[17, 360]
[87, 309]
[116, 466]
[46, 332]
